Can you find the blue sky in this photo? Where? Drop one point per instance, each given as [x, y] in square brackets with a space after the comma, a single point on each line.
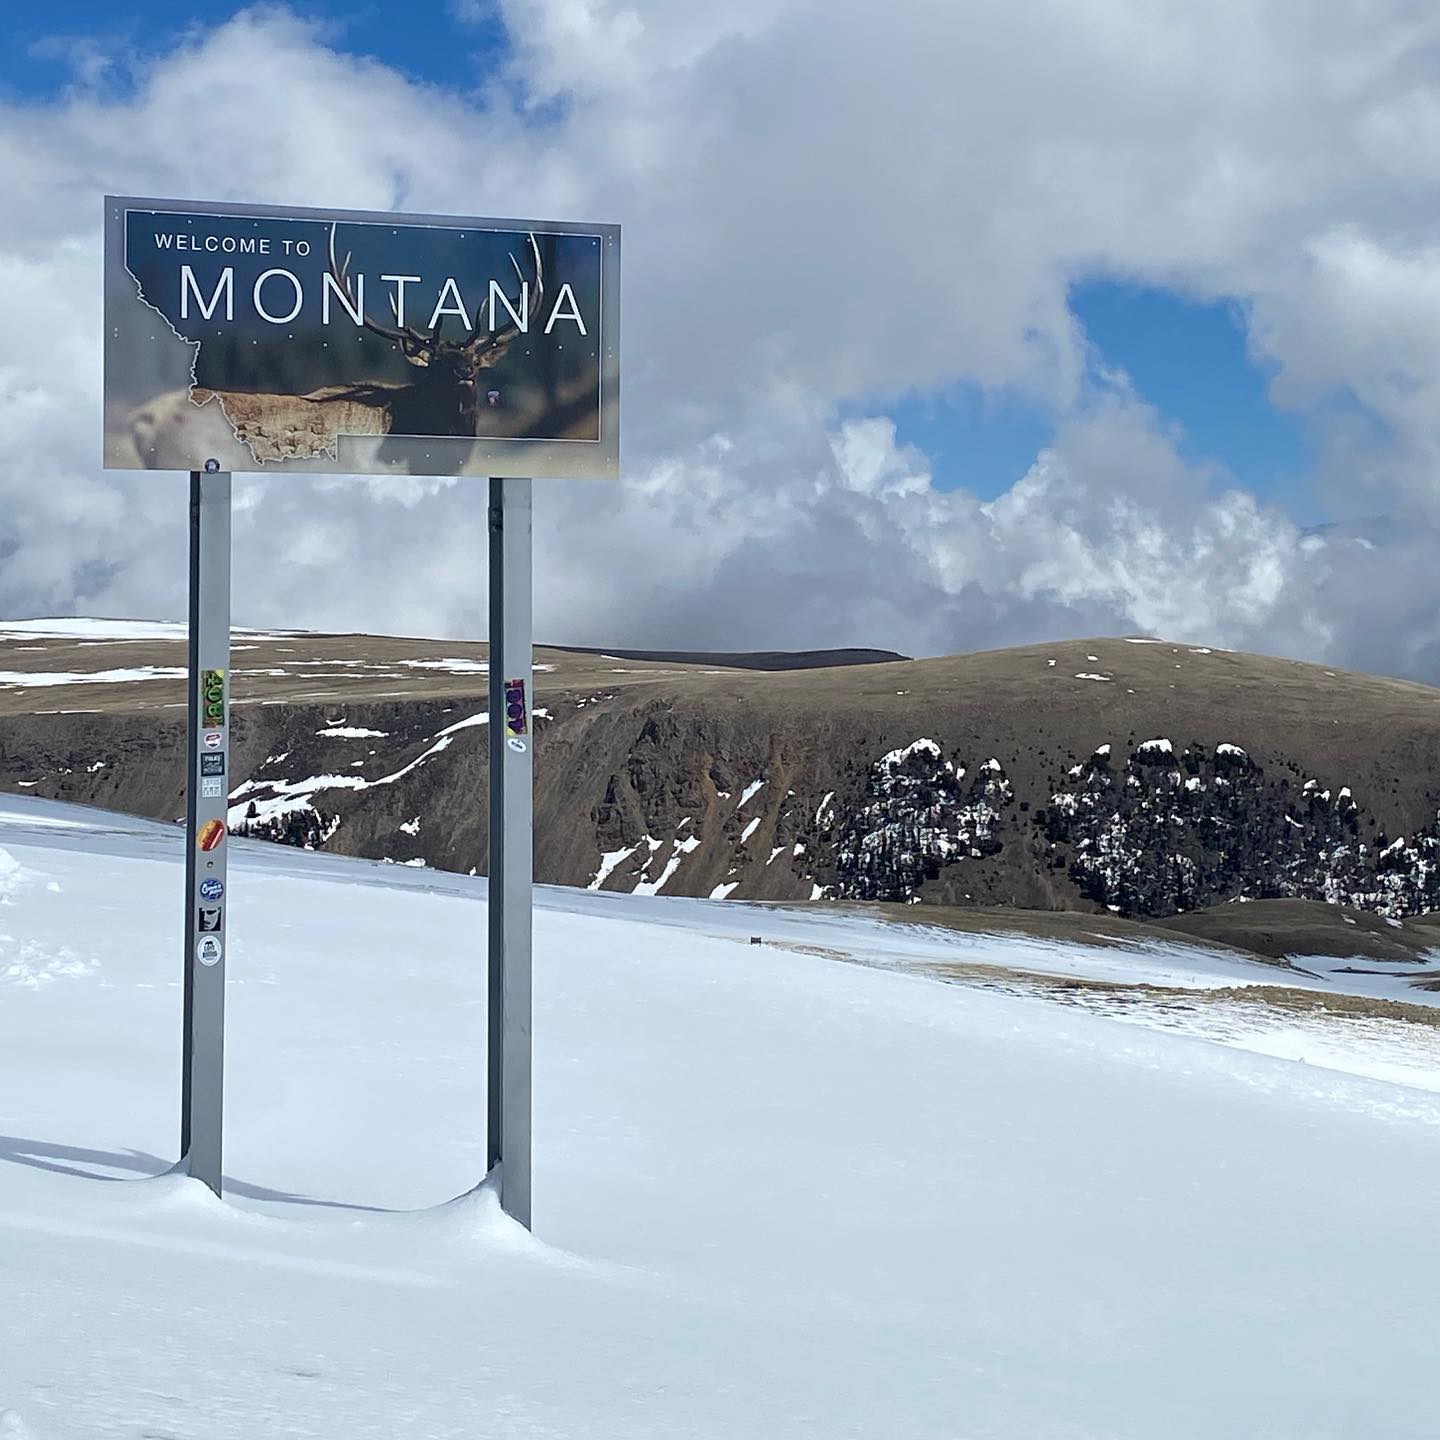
[428, 39]
[1188, 359]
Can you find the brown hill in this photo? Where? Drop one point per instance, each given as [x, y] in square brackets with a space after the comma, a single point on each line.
[974, 780]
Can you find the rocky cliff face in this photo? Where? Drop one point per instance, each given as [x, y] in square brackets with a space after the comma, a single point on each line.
[921, 814]
[1156, 834]
[1143, 778]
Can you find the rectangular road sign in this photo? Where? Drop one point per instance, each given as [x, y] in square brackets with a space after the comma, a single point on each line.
[358, 342]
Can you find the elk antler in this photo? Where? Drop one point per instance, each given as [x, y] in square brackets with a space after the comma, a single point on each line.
[420, 348]
[416, 347]
[487, 349]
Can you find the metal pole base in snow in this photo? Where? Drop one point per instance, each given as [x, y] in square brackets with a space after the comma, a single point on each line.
[511, 844]
[207, 759]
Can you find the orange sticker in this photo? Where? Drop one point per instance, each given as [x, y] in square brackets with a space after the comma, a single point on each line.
[212, 832]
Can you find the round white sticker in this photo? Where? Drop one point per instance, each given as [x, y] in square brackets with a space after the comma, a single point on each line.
[209, 950]
[516, 745]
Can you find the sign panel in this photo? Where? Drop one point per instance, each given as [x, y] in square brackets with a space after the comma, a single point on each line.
[357, 342]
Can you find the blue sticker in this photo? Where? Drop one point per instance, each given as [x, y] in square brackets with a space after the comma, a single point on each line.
[211, 888]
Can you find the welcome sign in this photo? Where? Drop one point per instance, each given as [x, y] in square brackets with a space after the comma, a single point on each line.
[256, 338]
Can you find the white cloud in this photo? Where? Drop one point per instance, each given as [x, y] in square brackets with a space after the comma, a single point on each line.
[826, 206]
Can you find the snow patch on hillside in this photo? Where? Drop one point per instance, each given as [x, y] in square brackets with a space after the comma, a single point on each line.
[28, 679]
[679, 850]
[452, 665]
[608, 861]
[468, 723]
[68, 628]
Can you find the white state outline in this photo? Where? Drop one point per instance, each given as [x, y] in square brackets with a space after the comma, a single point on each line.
[333, 453]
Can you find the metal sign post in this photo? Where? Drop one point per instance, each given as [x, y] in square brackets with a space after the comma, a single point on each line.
[207, 787]
[290, 340]
[511, 843]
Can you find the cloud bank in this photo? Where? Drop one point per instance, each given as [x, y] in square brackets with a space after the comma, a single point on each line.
[827, 207]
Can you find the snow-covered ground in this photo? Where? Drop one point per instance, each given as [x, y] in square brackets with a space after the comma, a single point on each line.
[112, 631]
[777, 1195]
[83, 638]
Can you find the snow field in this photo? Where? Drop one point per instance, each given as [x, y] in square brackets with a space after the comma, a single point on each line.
[776, 1195]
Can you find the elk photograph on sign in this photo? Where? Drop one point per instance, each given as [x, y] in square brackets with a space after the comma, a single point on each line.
[353, 342]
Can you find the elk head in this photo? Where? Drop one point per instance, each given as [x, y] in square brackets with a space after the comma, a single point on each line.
[448, 391]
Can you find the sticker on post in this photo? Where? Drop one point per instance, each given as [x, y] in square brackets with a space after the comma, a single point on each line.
[211, 888]
[211, 833]
[210, 920]
[212, 765]
[516, 719]
[209, 950]
[212, 789]
[213, 739]
[518, 746]
[212, 698]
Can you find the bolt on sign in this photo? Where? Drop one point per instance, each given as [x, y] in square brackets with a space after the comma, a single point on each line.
[269, 339]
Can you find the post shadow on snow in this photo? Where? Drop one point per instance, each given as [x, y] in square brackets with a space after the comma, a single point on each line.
[68, 1160]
